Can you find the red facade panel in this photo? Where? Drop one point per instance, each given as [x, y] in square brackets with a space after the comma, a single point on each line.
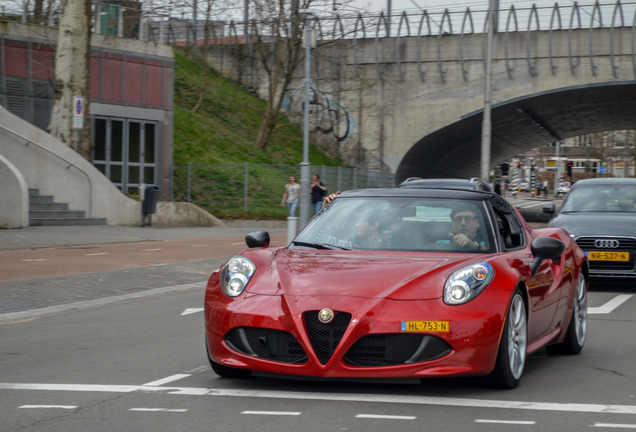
[95, 77]
[134, 81]
[154, 84]
[111, 78]
[42, 62]
[15, 58]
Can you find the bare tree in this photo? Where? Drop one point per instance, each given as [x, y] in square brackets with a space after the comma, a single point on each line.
[72, 75]
[279, 51]
[206, 49]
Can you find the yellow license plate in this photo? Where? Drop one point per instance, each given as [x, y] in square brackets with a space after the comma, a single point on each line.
[424, 326]
[608, 256]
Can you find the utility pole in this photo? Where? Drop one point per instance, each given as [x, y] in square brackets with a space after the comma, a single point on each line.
[307, 14]
[486, 127]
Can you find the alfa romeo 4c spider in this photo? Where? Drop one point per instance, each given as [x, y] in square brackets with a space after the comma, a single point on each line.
[400, 283]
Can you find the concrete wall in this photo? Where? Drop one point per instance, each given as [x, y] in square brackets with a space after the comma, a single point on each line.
[400, 91]
[47, 164]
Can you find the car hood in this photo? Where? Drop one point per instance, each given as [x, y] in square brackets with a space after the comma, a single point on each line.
[595, 223]
[299, 272]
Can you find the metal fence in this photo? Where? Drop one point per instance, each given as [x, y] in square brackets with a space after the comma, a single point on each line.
[251, 190]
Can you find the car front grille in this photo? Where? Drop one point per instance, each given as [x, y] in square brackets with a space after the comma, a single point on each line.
[325, 338]
[372, 350]
[275, 345]
[396, 349]
[626, 244]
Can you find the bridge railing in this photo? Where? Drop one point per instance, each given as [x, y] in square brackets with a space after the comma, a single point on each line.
[160, 25]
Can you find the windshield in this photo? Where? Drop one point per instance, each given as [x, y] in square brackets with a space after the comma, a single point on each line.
[404, 224]
[601, 198]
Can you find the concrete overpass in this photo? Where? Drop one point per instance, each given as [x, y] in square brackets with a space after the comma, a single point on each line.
[411, 102]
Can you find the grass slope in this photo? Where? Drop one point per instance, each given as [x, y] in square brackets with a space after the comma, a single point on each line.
[225, 127]
[220, 136]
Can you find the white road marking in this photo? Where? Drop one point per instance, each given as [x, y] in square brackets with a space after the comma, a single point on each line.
[167, 380]
[189, 311]
[610, 305]
[35, 260]
[513, 422]
[385, 417]
[284, 413]
[68, 407]
[96, 253]
[152, 250]
[342, 397]
[615, 425]
[13, 316]
[159, 410]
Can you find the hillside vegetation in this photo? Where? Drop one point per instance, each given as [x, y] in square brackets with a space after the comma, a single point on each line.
[225, 127]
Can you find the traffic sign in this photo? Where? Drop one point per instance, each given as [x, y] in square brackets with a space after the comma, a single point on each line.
[78, 112]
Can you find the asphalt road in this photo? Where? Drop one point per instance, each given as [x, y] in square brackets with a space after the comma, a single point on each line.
[109, 337]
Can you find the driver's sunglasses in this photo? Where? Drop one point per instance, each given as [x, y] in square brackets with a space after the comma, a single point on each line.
[467, 219]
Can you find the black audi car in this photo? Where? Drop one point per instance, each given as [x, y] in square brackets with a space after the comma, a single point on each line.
[600, 214]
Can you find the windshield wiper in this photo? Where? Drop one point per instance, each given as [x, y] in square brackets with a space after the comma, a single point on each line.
[319, 245]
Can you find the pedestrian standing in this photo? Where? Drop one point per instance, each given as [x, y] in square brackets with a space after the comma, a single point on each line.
[317, 190]
[498, 188]
[291, 197]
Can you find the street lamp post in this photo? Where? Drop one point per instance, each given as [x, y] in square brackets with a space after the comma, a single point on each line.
[304, 165]
[486, 127]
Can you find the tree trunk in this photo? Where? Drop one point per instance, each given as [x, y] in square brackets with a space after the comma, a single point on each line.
[72, 76]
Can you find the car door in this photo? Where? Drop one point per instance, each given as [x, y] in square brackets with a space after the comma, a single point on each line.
[543, 291]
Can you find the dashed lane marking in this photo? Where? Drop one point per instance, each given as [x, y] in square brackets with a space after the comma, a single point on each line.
[610, 306]
[189, 311]
[96, 254]
[614, 425]
[66, 407]
[281, 413]
[167, 380]
[173, 410]
[341, 397]
[385, 417]
[512, 422]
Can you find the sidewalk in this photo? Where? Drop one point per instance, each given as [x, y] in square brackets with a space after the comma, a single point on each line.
[52, 269]
[56, 236]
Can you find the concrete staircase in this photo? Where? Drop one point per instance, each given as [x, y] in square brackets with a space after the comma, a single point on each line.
[43, 211]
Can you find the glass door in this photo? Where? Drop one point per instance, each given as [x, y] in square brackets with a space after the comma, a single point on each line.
[125, 151]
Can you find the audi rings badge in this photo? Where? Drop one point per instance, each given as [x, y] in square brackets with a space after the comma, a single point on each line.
[606, 243]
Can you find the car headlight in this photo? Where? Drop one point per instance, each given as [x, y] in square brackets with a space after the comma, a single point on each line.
[465, 284]
[236, 275]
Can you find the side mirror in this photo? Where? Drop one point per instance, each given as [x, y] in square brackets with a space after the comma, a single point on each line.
[545, 248]
[549, 208]
[257, 239]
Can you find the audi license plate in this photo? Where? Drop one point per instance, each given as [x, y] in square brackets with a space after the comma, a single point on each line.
[608, 256]
[421, 326]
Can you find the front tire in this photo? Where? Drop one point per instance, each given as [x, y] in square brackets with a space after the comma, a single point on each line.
[577, 329]
[511, 357]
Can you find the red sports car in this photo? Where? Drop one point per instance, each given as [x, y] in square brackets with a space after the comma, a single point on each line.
[400, 283]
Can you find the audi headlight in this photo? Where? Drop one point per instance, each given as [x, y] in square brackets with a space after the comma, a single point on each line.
[236, 275]
[465, 284]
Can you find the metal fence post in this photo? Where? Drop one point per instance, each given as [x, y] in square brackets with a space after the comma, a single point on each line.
[189, 181]
[245, 190]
